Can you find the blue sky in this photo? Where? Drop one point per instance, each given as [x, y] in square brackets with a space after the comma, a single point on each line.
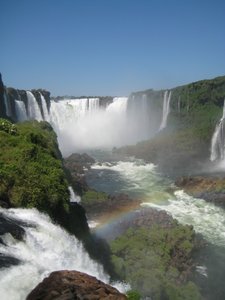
[110, 47]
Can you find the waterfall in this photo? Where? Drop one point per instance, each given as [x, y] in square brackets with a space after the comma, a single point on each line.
[45, 109]
[73, 196]
[21, 113]
[83, 123]
[7, 105]
[46, 247]
[65, 113]
[141, 120]
[166, 109]
[93, 104]
[34, 112]
[119, 105]
[218, 140]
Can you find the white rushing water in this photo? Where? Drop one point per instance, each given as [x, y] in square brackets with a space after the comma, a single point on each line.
[45, 109]
[83, 124]
[166, 109]
[20, 110]
[73, 196]
[45, 248]
[206, 218]
[218, 140]
[34, 112]
[140, 118]
[134, 176]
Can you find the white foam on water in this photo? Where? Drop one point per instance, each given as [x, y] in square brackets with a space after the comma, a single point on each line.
[206, 218]
[46, 247]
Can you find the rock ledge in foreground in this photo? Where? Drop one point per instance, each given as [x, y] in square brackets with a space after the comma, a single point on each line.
[68, 285]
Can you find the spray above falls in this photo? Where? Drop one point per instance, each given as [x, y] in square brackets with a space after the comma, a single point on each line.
[90, 123]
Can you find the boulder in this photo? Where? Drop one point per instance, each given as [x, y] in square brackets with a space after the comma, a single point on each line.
[68, 285]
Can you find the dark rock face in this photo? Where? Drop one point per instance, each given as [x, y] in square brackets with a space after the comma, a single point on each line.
[105, 101]
[46, 95]
[79, 161]
[14, 227]
[70, 285]
[11, 226]
[2, 105]
[7, 261]
[13, 94]
[74, 221]
[76, 164]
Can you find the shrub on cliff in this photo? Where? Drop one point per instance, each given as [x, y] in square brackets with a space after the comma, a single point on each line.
[31, 173]
[8, 127]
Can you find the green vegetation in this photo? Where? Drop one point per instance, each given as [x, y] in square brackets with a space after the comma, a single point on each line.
[133, 295]
[184, 144]
[197, 107]
[31, 173]
[92, 197]
[156, 261]
[8, 127]
[199, 93]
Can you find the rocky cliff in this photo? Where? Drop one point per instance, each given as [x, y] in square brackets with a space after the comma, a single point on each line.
[2, 104]
[183, 146]
[31, 174]
[9, 96]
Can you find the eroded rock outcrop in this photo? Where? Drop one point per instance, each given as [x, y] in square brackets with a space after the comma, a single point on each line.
[70, 285]
[209, 187]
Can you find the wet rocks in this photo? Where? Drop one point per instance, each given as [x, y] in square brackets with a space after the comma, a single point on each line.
[7, 261]
[79, 161]
[209, 187]
[70, 285]
[11, 226]
[76, 164]
[114, 203]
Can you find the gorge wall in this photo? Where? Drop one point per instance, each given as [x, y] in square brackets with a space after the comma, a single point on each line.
[192, 132]
[191, 111]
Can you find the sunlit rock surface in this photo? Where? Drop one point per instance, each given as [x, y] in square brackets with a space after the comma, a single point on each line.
[68, 285]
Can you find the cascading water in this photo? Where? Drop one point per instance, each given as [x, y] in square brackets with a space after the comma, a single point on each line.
[44, 108]
[34, 112]
[139, 116]
[21, 113]
[218, 140]
[46, 247]
[166, 109]
[83, 124]
[73, 196]
[93, 104]
[7, 105]
[119, 105]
